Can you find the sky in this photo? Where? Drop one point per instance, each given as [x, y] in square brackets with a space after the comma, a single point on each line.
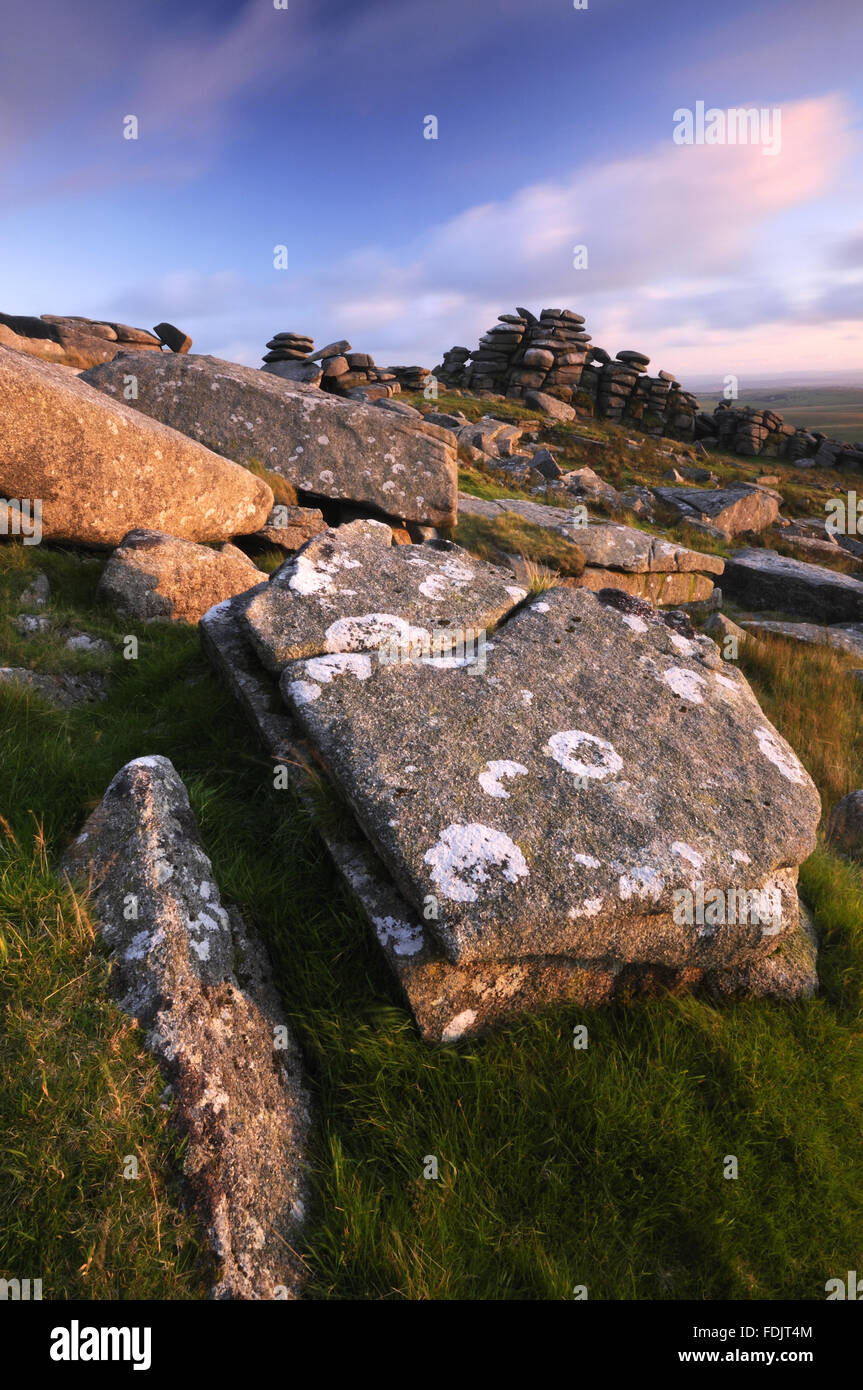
[304, 127]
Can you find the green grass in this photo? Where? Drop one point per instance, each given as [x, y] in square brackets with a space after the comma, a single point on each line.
[557, 1167]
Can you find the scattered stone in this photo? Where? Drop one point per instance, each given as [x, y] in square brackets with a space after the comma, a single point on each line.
[323, 445]
[151, 575]
[101, 468]
[26, 624]
[187, 970]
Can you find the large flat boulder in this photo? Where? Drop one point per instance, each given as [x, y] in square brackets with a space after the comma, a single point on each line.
[185, 967]
[151, 575]
[455, 1001]
[101, 469]
[762, 579]
[556, 802]
[322, 444]
[352, 590]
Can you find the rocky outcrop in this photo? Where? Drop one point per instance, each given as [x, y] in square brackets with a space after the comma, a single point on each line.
[81, 342]
[620, 557]
[184, 966]
[151, 575]
[762, 579]
[99, 469]
[322, 445]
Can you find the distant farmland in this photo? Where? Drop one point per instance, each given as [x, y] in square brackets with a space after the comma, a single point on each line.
[835, 411]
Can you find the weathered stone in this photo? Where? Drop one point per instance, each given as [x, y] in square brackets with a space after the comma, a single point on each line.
[352, 590]
[151, 575]
[319, 442]
[763, 579]
[173, 338]
[845, 826]
[185, 968]
[101, 469]
[575, 811]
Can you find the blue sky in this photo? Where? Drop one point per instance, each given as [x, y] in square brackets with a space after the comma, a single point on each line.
[304, 127]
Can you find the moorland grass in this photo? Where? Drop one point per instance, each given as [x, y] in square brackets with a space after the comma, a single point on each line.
[557, 1166]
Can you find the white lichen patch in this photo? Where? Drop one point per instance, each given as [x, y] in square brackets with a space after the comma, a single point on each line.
[589, 908]
[371, 631]
[458, 1026]
[536, 607]
[587, 860]
[685, 851]
[683, 644]
[571, 747]
[490, 779]
[326, 668]
[778, 753]
[640, 882]
[436, 587]
[684, 683]
[303, 692]
[318, 576]
[739, 857]
[464, 857]
[405, 939]
[636, 624]
[516, 593]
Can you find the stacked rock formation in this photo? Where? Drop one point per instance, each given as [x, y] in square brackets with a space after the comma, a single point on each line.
[338, 368]
[553, 354]
[764, 433]
[288, 347]
[78, 342]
